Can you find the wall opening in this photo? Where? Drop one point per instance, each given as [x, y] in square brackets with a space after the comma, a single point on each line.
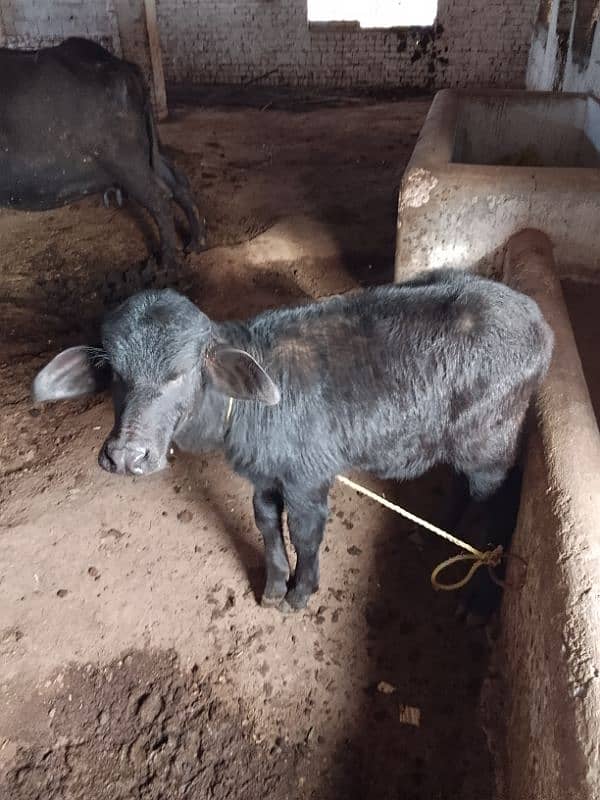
[584, 29]
[374, 13]
[564, 22]
[564, 18]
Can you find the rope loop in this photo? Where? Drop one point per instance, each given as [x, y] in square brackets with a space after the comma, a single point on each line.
[480, 558]
[487, 558]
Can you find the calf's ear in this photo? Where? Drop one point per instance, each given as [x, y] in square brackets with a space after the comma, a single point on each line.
[236, 374]
[71, 373]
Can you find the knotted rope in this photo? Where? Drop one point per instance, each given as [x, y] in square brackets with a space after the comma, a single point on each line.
[480, 558]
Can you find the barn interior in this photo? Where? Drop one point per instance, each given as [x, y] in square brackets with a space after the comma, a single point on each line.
[330, 146]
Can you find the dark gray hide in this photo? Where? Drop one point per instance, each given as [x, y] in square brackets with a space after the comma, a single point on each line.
[392, 380]
[74, 121]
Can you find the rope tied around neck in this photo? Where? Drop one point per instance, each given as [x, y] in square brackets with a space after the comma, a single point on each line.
[480, 558]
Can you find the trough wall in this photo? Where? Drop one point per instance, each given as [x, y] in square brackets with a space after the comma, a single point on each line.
[550, 646]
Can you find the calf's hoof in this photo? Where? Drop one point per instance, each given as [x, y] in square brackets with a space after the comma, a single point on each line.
[274, 592]
[294, 601]
[470, 618]
[271, 602]
[480, 600]
[286, 608]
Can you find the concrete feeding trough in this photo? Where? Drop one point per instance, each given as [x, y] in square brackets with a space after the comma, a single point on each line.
[487, 169]
[550, 645]
[487, 165]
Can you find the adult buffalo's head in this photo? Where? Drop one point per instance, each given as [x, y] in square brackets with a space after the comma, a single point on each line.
[163, 359]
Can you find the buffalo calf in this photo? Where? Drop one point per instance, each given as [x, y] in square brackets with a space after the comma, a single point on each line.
[392, 380]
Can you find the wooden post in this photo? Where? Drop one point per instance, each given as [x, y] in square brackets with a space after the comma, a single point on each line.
[158, 76]
[138, 34]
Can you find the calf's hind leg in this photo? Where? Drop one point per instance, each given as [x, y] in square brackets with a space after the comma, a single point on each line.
[268, 510]
[491, 519]
[307, 515]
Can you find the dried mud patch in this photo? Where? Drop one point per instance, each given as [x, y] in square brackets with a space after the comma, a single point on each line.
[142, 727]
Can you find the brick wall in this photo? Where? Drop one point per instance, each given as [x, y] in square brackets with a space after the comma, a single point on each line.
[119, 25]
[474, 42]
[35, 23]
[488, 41]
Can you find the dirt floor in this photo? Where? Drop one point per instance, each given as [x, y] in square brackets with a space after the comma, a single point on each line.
[136, 662]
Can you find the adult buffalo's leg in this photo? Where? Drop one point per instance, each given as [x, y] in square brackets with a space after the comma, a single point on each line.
[307, 515]
[179, 186]
[268, 510]
[147, 191]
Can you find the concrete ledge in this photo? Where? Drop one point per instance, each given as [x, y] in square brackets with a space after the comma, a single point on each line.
[550, 640]
[490, 163]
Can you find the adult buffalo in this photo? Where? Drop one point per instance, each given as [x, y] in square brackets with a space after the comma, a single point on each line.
[74, 121]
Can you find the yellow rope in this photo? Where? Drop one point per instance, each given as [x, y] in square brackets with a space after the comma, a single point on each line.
[480, 558]
[488, 558]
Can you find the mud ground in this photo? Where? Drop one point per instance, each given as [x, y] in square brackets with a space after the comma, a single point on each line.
[136, 662]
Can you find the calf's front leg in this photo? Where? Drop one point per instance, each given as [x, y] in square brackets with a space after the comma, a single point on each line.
[268, 510]
[307, 515]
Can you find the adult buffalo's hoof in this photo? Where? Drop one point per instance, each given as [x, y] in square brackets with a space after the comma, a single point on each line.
[197, 245]
[118, 195]
[172, 267]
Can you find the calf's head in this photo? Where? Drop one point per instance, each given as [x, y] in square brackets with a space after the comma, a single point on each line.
[162, 357]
